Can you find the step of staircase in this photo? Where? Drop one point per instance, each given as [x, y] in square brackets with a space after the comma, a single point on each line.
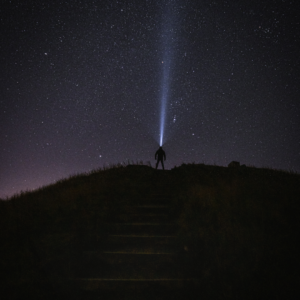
[142, 217]
[148, 208]
[141, 270]
[151, 201]
[159, 285]
[142, 228]
[133, 248]
[142, 240]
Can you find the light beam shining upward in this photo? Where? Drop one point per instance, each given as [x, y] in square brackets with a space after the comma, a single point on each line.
[167, 41]
[164, 98]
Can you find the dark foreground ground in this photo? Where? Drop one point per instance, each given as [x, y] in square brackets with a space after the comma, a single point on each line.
[207, 231]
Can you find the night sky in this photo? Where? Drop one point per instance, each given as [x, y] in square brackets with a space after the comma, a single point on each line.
[90, 83]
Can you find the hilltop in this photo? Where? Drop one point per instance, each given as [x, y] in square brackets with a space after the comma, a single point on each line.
[237, 227]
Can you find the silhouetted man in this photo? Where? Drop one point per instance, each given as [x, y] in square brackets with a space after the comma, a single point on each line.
[160, 155]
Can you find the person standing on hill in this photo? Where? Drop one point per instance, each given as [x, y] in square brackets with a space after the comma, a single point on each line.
[160, 154]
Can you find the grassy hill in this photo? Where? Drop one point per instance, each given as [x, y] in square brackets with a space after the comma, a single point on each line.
[237, 228]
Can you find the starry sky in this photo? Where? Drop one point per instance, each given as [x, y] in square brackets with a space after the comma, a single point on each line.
[90, 83]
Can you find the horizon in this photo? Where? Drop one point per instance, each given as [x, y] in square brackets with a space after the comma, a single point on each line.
[131, 163]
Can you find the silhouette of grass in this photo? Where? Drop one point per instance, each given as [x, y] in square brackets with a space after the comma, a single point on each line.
[238, 228]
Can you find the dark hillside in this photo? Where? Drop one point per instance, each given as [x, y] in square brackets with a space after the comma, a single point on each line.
[236, 230]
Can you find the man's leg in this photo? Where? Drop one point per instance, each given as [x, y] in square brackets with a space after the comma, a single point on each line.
[157, 163]
[162, 163]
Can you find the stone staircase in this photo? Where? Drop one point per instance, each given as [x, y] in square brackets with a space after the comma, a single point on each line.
[141, 251]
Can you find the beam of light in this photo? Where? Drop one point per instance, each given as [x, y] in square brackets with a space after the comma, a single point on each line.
[164, 98]
[167, 42]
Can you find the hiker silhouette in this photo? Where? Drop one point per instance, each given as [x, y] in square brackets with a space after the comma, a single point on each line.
[161, 156]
